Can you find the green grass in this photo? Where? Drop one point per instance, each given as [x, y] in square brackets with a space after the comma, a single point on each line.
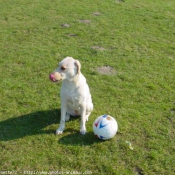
[139, 43]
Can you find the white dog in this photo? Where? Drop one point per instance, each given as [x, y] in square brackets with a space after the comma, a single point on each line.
[75, 95]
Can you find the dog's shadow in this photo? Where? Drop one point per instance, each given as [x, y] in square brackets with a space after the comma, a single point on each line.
[76, 139]
[34, 124]
[29, 124]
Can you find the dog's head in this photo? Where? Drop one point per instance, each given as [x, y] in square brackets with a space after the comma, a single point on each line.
[68, 68]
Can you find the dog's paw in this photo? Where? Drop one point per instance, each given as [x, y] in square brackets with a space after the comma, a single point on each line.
[83, 131]
[58, 131]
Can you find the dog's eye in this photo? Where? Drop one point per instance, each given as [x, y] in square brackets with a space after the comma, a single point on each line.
[63, 68]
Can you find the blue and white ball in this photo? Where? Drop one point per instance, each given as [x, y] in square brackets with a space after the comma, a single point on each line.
[105, 127]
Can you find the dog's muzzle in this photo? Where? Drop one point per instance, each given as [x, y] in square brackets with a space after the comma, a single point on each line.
[55, 77]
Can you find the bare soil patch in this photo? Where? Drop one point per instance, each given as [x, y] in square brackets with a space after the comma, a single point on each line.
[119, 1]
[72, 34]
[65, 25]
[106, 70]
[96, 13]
[98, 48]
[85, 21]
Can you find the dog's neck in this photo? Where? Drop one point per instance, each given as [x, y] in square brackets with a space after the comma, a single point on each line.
[74, 82]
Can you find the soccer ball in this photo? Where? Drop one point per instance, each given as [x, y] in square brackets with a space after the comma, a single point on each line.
[105, 127]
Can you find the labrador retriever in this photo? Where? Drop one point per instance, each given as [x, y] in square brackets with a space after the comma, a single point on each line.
[75, 94]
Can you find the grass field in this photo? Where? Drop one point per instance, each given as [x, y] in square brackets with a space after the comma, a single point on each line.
[135, 39]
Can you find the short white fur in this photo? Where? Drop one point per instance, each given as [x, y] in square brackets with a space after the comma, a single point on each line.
[75, 94]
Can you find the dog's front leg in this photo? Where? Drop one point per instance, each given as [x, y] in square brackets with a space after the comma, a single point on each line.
[63, 119]
[83, 120]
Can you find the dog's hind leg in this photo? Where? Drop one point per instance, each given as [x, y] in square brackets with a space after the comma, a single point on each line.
[89, 108]
[67, 116]
[87, 116]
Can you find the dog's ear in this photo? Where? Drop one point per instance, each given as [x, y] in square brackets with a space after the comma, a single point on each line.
[78, 65]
